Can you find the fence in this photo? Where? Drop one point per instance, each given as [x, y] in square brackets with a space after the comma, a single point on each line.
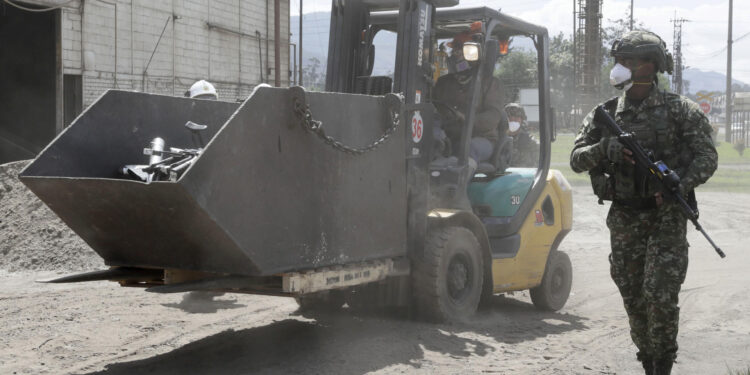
[740, 131]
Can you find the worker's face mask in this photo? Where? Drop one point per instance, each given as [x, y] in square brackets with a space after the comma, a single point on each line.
[457, 63]
[621, 77]
[513, 126]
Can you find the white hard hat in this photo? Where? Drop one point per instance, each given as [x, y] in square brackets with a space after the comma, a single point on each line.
[203, 90]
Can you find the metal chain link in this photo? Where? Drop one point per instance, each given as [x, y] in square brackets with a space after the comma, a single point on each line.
[316, 127]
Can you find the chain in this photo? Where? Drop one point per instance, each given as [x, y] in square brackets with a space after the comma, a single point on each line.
[316, 127]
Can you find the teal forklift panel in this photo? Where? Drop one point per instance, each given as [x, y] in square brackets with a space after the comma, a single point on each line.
[501, 196]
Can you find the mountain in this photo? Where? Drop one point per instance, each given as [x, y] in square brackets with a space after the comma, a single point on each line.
[315, 28]
[706, 81]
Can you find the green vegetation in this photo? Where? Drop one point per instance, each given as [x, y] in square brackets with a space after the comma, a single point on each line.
[739, 372]
[733, 174]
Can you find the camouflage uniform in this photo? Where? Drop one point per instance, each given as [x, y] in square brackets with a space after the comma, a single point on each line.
[525, 149]
[649, 249]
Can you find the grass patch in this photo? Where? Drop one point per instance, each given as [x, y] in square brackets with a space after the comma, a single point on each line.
[733, 174]
[739, 372]
[728, 155]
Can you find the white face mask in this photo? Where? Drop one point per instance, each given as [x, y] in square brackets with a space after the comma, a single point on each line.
[621, 77]
[513, 126]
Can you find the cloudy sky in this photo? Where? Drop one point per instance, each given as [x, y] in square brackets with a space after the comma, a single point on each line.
[704, 37]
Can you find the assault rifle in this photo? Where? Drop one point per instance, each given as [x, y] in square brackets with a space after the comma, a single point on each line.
[668, 179]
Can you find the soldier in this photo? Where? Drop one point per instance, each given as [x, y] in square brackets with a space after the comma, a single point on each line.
[649, 254]
[525, 147]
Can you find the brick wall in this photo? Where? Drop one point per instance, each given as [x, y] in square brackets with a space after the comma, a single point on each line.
[188, 51]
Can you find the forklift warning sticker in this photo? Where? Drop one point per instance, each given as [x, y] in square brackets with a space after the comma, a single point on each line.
[417, 127]
[539, 218]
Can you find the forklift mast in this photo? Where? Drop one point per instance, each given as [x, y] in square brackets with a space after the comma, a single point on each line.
[350, 63]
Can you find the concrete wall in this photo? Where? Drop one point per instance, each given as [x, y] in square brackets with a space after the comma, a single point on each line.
[115, 57]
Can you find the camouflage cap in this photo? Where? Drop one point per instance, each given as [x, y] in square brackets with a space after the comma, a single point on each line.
[515, 110]
[644, 45]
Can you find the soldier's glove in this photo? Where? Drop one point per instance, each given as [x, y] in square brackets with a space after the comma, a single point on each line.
[612, 148]
[672, 184]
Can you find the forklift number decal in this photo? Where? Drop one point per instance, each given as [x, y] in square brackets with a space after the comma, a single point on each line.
[515, 200]
[416, 127]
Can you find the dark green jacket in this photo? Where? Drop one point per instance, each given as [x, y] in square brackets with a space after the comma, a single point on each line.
[490, 113]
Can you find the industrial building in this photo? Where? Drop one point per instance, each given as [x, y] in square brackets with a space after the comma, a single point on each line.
[57, 57]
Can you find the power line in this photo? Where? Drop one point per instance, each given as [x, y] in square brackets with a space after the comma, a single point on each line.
[677, 46]
[719, 51]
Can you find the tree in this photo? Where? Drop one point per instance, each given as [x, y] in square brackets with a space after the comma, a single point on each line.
[518, 69]
[312, 76]
[562, 73]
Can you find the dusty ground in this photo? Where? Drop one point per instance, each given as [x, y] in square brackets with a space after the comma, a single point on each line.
[101, 328]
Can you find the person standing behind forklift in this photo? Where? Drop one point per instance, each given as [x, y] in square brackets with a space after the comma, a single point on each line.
[202, 90]
[649, 255]
[525, 147]
[453, 91]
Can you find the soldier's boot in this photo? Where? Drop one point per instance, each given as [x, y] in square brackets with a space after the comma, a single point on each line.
[648, 366]
[663, 366]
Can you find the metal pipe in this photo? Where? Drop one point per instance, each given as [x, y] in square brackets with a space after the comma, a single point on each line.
[266, 73]
[114, 84]
[300, 42]
[143, 78]
[239, 48]
[132, 61]
[276, 44]
[728, 110]
[294, 59]
[174, 18]
[83, 33]
[257, 36]
[260, 56]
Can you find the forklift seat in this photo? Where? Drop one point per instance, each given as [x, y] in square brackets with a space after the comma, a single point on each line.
[373, 85]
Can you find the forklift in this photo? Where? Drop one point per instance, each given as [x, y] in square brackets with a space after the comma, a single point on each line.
[334, 197]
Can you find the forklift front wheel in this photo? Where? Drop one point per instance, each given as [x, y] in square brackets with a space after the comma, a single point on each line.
[448, 279]
[552, 294]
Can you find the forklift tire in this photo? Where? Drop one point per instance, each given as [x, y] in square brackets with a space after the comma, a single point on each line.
[448, 279]
[328, 301]
[554, 290]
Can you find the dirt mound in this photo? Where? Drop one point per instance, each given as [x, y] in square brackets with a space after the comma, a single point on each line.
[32, 237]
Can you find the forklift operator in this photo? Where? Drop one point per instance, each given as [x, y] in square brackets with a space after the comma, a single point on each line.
[453, 91]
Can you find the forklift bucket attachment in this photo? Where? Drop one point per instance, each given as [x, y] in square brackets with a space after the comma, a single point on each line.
[265, 196]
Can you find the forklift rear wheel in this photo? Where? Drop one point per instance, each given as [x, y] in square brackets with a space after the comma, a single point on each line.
[552, 294]
[448, 280]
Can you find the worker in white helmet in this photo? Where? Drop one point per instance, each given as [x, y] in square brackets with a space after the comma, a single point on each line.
[202, 90]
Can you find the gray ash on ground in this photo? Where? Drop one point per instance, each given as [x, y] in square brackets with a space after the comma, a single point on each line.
[32, 237]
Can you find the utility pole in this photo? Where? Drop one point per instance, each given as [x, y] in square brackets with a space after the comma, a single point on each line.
[588, 53]
[677, 52]
[574, 47]
[631, 15]
[728, 111]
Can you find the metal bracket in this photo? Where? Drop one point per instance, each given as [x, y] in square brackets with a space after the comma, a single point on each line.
[337, 277]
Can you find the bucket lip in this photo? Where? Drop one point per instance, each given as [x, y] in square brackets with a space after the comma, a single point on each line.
[124, 180]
